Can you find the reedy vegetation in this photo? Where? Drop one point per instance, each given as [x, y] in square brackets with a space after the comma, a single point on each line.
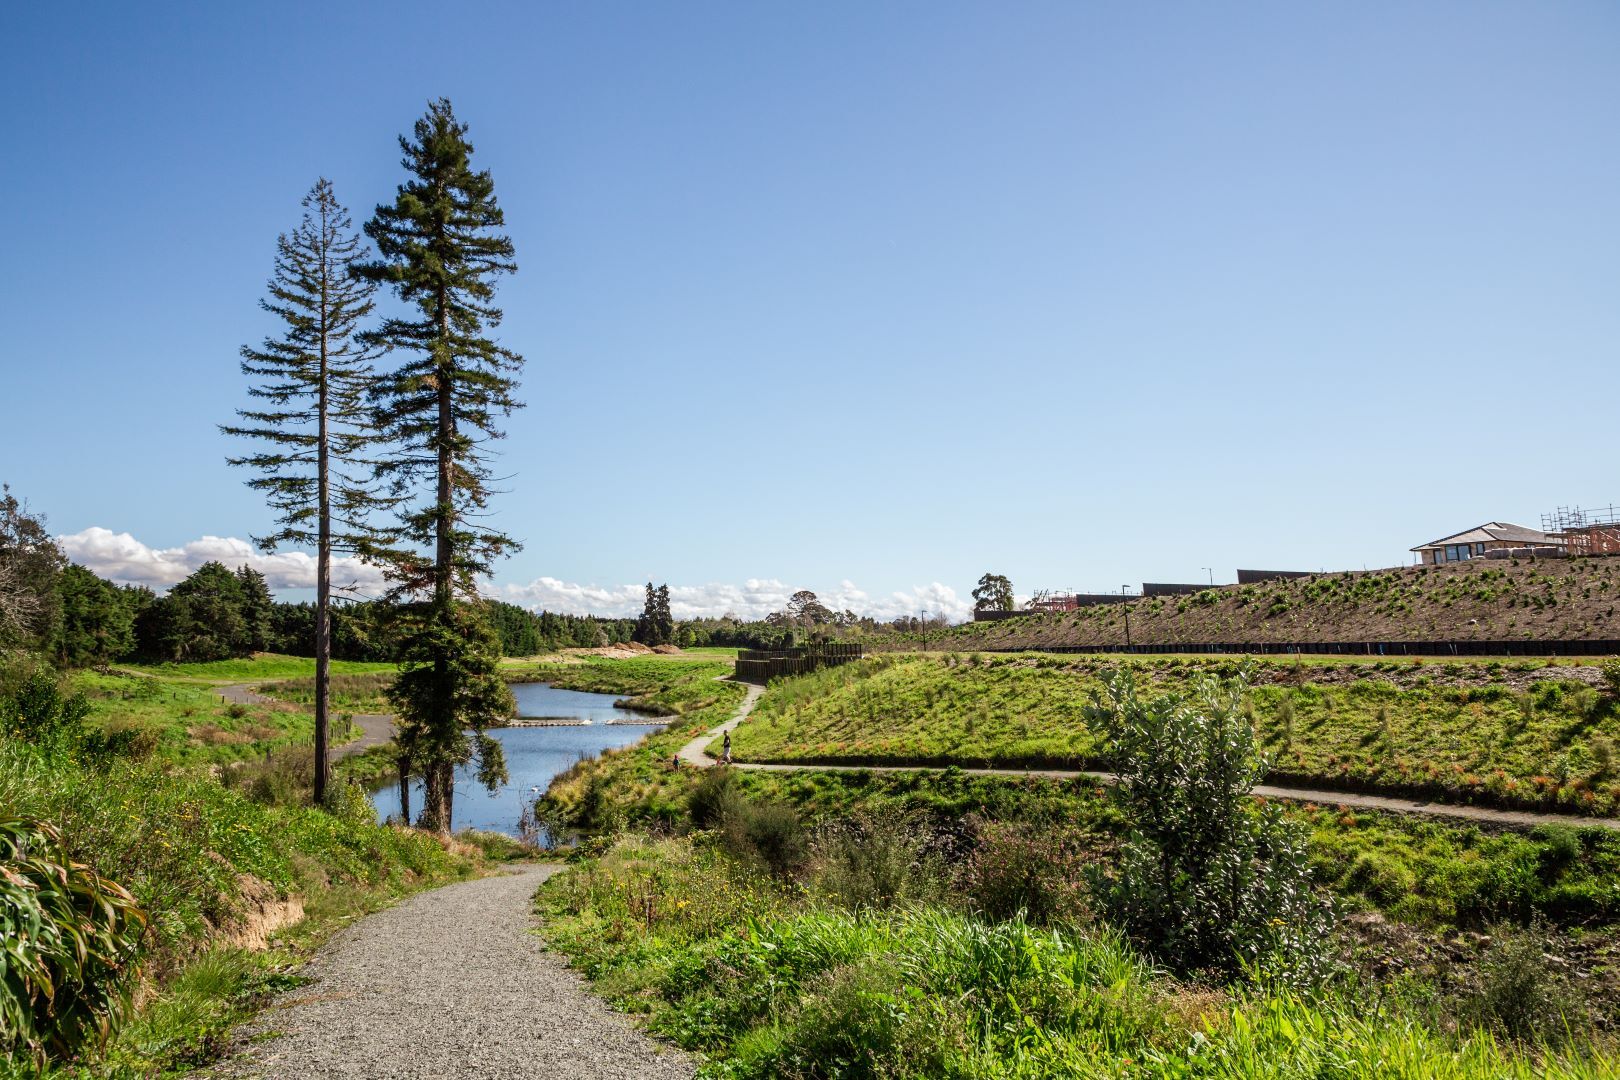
[777, 980]
[845, 960]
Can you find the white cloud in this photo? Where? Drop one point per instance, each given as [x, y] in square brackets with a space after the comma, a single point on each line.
[122, 558]
[752, 599]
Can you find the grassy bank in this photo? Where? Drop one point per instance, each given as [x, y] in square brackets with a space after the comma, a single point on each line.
[940, 924]
[219, 858]
[1516, 734]
[772, 979]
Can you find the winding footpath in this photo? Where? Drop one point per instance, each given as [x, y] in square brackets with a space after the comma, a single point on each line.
[696, 754]
[450, 983]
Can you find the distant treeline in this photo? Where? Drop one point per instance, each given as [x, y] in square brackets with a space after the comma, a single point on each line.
[51, 606]
[219, 614]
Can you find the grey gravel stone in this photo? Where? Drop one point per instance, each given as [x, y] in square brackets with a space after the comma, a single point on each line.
[450, 983]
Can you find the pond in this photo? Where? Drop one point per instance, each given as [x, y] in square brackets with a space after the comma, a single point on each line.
[533, 755]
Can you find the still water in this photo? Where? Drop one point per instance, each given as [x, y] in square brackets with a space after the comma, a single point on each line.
[533, 756]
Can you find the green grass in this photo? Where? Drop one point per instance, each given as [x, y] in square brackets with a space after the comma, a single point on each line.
[187, 720]
[259, 666]
[187, 847]
[1450, 731]
[768, 981]
[359, 693]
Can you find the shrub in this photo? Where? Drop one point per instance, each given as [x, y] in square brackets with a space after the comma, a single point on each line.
[122, 738]
[1611, 677]
[772, 832]
[68, 939]
[715, 798]
[876, 860]
[38, 712]
[1383, 881]
[1035, 870]
[1520, 994]
[1206, 879]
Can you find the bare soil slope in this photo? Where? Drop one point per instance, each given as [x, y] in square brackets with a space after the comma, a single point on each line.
[1494, 600]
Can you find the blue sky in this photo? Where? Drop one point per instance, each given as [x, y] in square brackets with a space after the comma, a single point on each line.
[868, 298]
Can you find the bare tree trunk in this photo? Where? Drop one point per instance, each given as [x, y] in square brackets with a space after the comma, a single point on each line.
[323, 557]
[433, 816]
[449, 797]
[404, 764]
[440, 772]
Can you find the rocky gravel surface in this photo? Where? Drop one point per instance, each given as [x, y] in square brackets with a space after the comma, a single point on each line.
[450, 983]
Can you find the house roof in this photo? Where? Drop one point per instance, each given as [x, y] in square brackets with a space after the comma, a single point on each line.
[1501, 531]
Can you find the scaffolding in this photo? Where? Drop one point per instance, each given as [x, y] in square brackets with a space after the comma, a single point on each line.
[1593, 531]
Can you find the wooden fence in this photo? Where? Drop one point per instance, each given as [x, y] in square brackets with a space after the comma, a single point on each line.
[762, 665]
[1442, 647]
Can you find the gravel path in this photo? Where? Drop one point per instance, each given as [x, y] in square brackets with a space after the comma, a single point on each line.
[696, 754]
[450, 983]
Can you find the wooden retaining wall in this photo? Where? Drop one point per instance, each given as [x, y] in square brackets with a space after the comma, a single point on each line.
[762, 665]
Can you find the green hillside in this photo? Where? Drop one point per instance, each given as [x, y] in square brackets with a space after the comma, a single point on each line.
[1516, 733]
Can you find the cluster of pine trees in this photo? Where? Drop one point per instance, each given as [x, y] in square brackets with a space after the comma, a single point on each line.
[371, 433]
[656, 625]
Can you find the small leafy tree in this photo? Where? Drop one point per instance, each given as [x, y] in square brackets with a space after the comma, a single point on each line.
[804, 608]
[994, 593]
[1207, 880]
[29, 564]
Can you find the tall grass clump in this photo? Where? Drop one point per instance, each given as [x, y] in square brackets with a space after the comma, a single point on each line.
[1206, 880]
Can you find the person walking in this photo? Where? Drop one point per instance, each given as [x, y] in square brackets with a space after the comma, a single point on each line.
[725, 754]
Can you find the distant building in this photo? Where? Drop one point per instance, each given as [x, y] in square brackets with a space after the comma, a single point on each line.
[1482, 540]
[1585, 532]
[1255, 577]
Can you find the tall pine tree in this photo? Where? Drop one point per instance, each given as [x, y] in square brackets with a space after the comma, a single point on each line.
[312, 380]
[441, 250]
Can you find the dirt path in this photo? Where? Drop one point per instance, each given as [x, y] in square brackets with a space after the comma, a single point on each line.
[696, 754]
[375, 728]
[450, 983]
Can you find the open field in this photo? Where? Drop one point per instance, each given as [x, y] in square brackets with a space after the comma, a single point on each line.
[1484, 599]
[1519, 734]
[260, 666]
[183, 719]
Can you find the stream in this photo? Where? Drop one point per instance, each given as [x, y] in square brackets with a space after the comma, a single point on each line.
[533, 755]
